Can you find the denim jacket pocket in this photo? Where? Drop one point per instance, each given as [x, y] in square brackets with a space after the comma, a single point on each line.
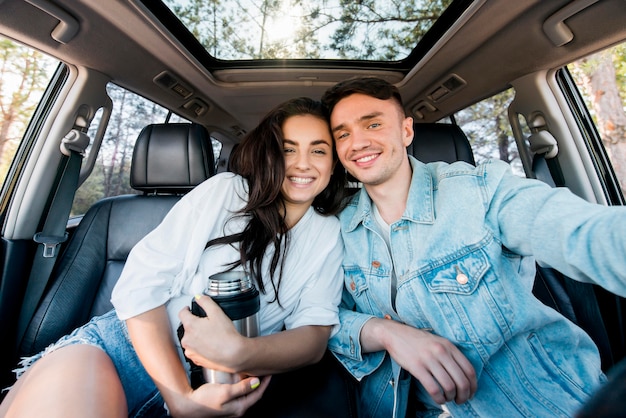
[460, 276]
[465, 300]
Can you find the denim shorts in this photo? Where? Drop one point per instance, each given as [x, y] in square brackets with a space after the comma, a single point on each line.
[110, 334]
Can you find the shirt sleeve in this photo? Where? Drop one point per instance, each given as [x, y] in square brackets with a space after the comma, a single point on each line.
[345, 344]
[160, 264]
[320, 261]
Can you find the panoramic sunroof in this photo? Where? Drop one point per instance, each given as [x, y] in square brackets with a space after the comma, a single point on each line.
[222, 33]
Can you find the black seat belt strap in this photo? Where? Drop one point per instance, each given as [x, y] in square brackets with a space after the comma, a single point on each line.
[54, 232]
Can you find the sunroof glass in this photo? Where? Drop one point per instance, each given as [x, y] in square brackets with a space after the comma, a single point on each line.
[367, 30]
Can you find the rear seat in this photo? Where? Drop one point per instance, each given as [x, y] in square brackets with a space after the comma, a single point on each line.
[168, 161]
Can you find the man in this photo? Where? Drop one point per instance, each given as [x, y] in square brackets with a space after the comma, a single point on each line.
[439, 268]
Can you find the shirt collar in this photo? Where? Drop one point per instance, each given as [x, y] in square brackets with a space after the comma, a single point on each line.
[419, 208]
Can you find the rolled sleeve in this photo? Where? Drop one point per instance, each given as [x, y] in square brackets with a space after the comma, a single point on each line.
[318, 302]
[164, 261]
[346, 344]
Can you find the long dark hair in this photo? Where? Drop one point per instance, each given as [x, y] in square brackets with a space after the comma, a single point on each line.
[260, 160]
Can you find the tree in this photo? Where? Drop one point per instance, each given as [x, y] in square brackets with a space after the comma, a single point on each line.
[486, 123]
[381, 30]
[364, 29]
[24, 74]
[602, 77]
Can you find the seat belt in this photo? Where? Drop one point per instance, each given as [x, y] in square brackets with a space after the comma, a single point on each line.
[54, 232]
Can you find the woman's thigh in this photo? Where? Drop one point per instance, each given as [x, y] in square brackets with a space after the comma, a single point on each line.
[74, 381]
[108, 336]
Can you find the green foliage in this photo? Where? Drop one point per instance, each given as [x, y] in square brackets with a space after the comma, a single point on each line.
[365, 29]
[24, 74]
[619, 60]
[487, 126]
[89, 192]
[375, 30]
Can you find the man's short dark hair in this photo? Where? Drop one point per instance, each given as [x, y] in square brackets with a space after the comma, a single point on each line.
[369, 86]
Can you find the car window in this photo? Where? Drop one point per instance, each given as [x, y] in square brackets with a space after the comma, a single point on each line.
[487, 127]
[25, 74]
[601, 80]
[111, 173]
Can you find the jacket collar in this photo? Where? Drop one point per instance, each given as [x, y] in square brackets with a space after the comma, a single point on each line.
[420, 204]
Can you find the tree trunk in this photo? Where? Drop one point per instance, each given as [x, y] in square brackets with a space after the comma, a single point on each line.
[600, 81]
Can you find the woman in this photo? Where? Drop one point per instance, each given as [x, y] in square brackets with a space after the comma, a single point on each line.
[269, 218]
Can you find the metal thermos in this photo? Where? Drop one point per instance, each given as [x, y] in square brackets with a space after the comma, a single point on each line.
[235, 293]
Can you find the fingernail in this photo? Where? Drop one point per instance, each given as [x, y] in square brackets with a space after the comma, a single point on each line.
[198, 296]
[255, 383]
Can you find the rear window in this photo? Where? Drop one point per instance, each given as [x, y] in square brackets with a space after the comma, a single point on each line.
[487, 127]
[111, 173]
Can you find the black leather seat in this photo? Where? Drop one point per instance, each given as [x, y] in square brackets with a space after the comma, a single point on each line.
[440, 142]
[574, 300]
[168, 161]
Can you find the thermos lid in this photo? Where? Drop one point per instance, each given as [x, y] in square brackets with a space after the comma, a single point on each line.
[229, 283]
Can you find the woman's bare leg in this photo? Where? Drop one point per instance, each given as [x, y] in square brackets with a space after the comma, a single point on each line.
[74, 381]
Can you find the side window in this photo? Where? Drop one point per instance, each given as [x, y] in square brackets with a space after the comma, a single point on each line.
[24, 76]
[601, 80]
[111, 173]
[487, 126]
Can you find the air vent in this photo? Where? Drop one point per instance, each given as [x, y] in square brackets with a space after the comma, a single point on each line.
[451, 85]
[173, 84]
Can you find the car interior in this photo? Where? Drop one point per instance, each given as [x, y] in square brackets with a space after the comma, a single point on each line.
[202, 91]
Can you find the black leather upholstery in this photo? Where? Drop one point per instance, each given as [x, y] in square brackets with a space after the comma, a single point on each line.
[574, 300]
[440, 142]
[170, 158]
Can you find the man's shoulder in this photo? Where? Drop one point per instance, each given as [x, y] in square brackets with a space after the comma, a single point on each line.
[488, 168]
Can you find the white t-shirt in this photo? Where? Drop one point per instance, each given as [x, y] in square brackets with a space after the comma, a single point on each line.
[170, 265]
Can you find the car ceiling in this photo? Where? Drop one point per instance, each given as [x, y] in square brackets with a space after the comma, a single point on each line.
[495, 43]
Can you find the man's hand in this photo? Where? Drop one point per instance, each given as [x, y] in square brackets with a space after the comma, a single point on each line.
[441, 368]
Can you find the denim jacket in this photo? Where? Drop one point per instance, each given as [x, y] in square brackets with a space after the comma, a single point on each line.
[464, 255]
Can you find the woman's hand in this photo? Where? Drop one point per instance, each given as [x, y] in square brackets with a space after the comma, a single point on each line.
[151, 335]
[212, 341]
[221, 400]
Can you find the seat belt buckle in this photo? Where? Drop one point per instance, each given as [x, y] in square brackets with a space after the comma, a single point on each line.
[50, 243]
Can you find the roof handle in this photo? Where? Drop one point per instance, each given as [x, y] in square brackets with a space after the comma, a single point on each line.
[68, 25]
[556, 29]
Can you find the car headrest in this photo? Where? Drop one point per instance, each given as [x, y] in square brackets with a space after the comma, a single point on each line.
[171, 158]
[440, 142]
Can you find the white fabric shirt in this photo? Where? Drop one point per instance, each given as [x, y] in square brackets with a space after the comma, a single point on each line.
[170, 265]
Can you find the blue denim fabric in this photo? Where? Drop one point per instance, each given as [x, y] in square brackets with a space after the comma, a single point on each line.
[111, 335]
[490, 226]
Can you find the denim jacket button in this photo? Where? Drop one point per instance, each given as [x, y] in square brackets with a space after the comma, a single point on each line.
[375, 264]
[352, 286]
[387, 316]
[461, 278]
